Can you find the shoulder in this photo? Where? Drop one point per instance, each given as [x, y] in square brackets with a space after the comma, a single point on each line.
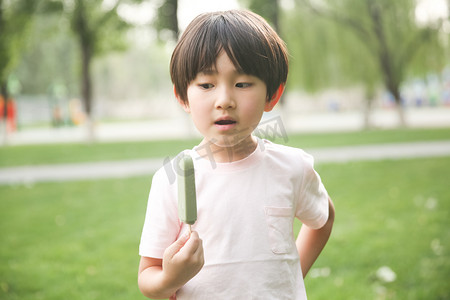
[285, 154]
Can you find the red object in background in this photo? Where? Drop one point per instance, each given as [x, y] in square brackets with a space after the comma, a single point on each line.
[2, 105]
[11, 125]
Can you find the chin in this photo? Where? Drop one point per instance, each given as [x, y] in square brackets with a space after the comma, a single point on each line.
[228, 141]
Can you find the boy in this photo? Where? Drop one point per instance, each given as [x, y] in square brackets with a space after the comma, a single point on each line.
[227, 69]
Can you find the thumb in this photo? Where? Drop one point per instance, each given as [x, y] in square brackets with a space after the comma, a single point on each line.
[176, 246]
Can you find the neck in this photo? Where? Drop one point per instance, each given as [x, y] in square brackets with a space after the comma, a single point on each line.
[228, 153]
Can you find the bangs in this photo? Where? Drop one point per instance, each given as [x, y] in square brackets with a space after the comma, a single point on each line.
[252, 46]
[212, 40]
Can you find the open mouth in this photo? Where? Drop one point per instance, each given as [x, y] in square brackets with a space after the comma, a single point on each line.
[225, 122]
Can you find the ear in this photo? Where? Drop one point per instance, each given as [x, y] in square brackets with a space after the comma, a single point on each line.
[184, 104]
[275, 98]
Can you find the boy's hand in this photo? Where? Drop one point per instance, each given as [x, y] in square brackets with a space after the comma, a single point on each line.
[183, 259]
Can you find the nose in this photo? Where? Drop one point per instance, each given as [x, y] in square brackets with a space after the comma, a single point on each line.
[225, 99]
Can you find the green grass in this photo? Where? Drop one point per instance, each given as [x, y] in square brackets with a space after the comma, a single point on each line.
[389, 213]
[72, 153]
[79, 240]
[76, 240]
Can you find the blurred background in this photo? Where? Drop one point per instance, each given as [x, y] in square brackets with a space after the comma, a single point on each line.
[87, 64]
[87, 114]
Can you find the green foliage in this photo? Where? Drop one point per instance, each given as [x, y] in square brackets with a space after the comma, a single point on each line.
[167, 20]
[322, 54]
[138, 73]
[50, 57]
[268, 9]
[366, 42]
[99, 28]
[432, 58]
[335, 48]
[15, 21]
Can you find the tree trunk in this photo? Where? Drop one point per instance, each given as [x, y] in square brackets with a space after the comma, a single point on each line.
[167, 18]
[395, 91]
[174, 19]
[386, 62]
[86, 88]
[368, 110]
[401, 113]
[86, 41]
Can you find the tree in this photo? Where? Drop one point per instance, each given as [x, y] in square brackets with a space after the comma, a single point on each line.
[50, 57]
[324, 55]
[167, 20]
[98, 29]
[15, 19]
[95, 24]
[391, 37]
[268, 9]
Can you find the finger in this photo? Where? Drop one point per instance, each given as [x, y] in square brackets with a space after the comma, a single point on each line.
[197, 244]
[194, 249]
[200, 248]
[177, 245]
[199, 254]
[193, 241]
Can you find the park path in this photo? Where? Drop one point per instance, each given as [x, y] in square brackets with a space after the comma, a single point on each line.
[182, 127]
[142, 167]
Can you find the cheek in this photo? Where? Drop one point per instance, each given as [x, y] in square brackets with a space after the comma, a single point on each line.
[253, 107]
[200, 113]
[194, 104]
[198, 107]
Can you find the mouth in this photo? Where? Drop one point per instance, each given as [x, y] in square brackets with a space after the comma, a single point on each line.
[225, 124]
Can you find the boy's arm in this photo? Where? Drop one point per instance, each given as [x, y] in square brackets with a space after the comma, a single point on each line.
[310, 242]
[161, 278]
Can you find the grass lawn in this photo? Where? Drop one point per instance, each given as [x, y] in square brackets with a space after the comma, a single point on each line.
[79, 240]
[388, 213]
[76, 240]
[72, 153]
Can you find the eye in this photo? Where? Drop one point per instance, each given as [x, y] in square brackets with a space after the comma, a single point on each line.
[243, 84]
[206, 85]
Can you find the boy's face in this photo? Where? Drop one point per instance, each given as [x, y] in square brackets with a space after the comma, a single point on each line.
[226, 106]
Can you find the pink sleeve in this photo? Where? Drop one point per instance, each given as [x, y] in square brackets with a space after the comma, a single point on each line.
[161, 226]
[312, 206]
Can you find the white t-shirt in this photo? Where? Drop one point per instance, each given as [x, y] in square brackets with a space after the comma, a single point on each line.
[246, 211]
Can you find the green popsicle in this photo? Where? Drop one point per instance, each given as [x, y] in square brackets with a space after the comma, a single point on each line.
[187, 200]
